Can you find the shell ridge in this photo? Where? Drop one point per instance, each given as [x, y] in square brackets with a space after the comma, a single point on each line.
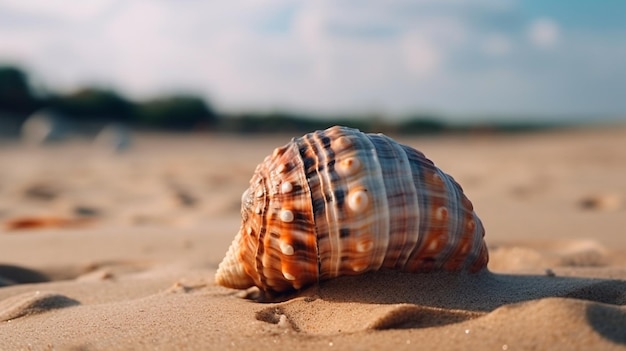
[455, 218]
[414, 159]
[301, 180]
[437, 229]
[466, 247]
[331, 267]
[327, 218]
[419, 166]
[403, 224]
[303, 147]
[329, 182]
[380, 207]
[260, 250]
[392, 179]
[478, 255]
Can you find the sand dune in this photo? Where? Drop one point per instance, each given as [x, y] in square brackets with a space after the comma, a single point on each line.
[120, 251]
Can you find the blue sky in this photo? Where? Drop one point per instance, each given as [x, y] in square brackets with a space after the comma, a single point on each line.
[462, 59]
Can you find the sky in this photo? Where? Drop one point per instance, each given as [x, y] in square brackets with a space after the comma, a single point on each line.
[461, 59]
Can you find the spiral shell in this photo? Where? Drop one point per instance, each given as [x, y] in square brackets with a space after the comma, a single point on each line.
[342, 202]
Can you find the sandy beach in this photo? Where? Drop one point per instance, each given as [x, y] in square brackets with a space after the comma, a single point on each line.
[102, 250]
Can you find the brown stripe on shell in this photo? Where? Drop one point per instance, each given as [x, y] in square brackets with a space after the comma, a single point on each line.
[340, 202]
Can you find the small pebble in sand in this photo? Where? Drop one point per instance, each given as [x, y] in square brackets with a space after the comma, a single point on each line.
[283, 322]
[44, 126]
[603, 202]
[41, 191]
[86, 211]
[114, 137]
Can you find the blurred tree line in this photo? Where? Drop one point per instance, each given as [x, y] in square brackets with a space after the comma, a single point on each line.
[93, 104]
[184, 112]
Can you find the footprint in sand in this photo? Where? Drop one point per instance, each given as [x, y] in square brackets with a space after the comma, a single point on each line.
[360, 303]
[297, 315]
[32, 303]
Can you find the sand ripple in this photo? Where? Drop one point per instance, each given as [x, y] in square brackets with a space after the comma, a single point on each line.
[31, 303]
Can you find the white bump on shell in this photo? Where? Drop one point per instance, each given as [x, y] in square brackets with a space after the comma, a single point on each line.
[277, 151]
[344, 141]
[358, 268]
[286, 187]
[433, 245]
[442, 213]
[280, 168]
[364, 246]
[349, 166]
[437, 178]
[358, 200]
[288, 276]
[286, 216]
[471, 224]
[286, 249]
[464, 248]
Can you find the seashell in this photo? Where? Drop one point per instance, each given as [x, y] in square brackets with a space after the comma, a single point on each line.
[342, 202]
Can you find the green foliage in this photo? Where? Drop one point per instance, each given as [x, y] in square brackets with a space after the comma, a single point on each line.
[176, 112]
[94, 103]
[284, 122]
[15, 92]
[89, 104]
[189, 112]
[422, 125]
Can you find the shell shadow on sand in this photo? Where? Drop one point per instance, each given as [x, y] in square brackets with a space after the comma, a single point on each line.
[395, 300]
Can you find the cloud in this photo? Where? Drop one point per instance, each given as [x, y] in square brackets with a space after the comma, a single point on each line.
[76, 11]
[543, 33]
[497, 45]
[421, 55]
[452, 56]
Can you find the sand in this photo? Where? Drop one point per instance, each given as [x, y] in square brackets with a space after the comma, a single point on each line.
[102, 250]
